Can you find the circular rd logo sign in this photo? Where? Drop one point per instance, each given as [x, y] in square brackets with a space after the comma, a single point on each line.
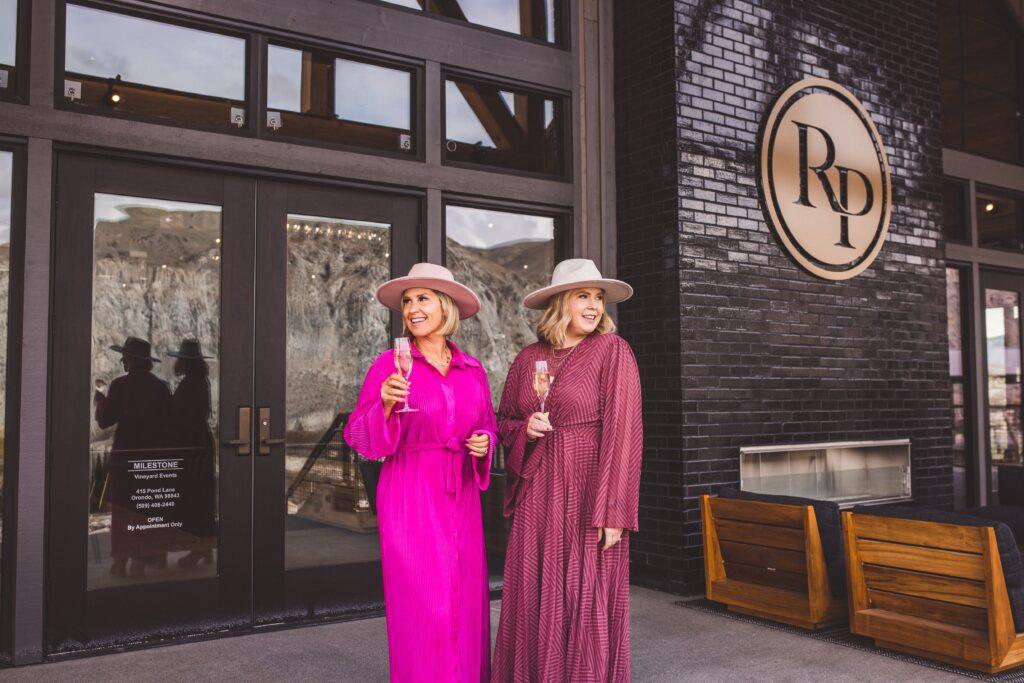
[824, 179]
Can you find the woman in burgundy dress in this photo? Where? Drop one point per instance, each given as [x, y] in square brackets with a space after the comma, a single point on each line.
[572, 490]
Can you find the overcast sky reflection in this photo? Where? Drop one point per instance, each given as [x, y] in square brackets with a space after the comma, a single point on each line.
[486, 229]
[8, 30]
[104, 44]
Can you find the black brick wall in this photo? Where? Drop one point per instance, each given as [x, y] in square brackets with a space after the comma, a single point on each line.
[768, 354]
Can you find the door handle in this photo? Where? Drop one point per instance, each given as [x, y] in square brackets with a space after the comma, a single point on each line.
[244, 440]
[265, 441]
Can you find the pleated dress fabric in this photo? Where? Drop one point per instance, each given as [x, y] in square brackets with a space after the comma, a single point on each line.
[565, 607]
[428, 508]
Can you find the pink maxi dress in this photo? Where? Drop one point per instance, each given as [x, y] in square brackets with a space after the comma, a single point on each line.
[436, 599]
[565, 607]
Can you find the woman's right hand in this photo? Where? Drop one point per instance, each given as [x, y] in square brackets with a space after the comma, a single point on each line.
[537, 425]
[394, 390]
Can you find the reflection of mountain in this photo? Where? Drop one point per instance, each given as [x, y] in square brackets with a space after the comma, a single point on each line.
[157, 276]
[503, 326]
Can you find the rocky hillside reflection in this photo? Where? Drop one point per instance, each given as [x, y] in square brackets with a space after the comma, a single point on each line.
[157, 276]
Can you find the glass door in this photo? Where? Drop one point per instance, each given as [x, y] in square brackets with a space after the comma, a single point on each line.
[205, 355]
[322, 253]
[1002, 294]
[150, 496]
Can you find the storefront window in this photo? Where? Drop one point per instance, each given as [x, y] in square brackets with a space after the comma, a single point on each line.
[529, 18]
[954, 214]
[955, 337]
[8, 44]
[122, 63]
[980, 78]
[1000, 219]
[493, 125]
[501, 256]
[317, 96]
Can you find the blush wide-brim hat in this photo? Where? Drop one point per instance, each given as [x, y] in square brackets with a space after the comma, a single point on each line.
[578, 273]
[429, 276]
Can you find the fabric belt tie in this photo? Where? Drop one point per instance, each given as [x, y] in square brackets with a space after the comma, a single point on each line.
[453, 466]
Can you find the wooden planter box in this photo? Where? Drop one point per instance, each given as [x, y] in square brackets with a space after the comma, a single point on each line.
[765, 560]
[931, 589]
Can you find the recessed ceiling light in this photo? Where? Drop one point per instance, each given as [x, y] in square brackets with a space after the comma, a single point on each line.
[990, 207]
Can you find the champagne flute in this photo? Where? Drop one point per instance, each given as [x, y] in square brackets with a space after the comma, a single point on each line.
[403, 363]
[541, 381]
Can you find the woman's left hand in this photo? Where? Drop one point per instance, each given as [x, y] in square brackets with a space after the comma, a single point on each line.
[610, 536]
[478, 445]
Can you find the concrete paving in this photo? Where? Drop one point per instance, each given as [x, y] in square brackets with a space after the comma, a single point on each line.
[670, 643]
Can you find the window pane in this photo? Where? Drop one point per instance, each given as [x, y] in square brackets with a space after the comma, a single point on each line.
[530, 18]
[317, 96]
[1002, 335]
[495, 126]
[955, 339]
[332, 332]
[953, 214]
[501, 256]
[411, 4]
[156, 69]
[8, 43]
[999, 219]
[6, 172]
[153, 444]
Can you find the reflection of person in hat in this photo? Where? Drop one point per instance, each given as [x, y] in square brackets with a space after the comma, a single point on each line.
[137, 404]
[428, 496]
[190, 427]
[573, 484]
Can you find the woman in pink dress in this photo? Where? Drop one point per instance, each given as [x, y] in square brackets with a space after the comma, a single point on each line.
[572, 490]
[428, 497]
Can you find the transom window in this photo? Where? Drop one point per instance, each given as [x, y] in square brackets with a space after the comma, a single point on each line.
[8, 46]
[496, 125]
[317, 95]
[155, 69]
[538, 19]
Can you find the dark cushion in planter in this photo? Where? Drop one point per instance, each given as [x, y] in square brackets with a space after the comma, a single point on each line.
[829, 528]
[1009, 554]
[1010, 515]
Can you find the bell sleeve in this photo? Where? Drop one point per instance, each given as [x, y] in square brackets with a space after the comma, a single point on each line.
[511, 424]
[489, 426]
[366, 431]
[621, 441]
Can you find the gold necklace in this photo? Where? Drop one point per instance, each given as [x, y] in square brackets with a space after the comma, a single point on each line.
[446, 358]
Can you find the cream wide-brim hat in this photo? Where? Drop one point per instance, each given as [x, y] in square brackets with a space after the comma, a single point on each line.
[429, 276]
[578, 273]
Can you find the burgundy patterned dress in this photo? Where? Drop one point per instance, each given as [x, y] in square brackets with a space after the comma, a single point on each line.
[565, 609]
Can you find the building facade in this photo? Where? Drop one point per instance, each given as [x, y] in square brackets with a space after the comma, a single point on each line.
[201, 196]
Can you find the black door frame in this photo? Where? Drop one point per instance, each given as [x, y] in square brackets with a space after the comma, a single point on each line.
[247, 528]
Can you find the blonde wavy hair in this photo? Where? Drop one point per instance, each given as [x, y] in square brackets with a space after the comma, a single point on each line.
[449, 315]
[556, 318]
